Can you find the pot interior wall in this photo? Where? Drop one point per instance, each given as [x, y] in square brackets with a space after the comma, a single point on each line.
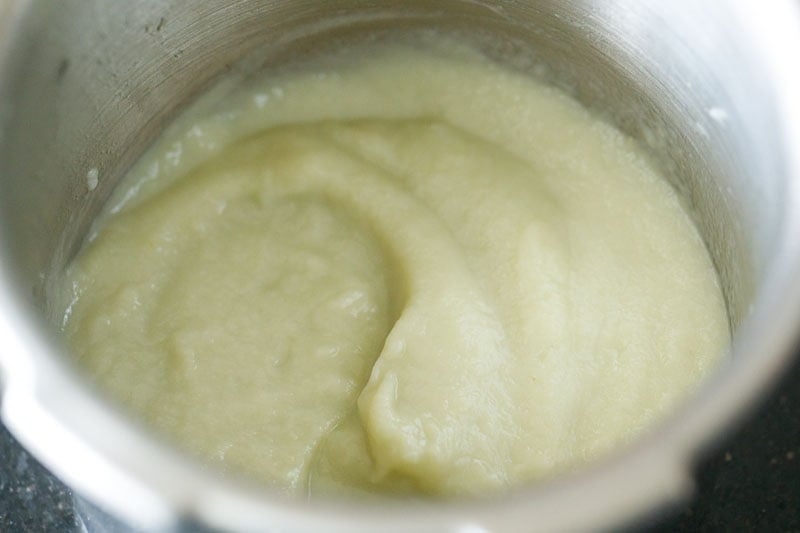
[92, 86]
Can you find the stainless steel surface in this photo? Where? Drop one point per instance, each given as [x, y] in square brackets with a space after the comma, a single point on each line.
[711, 87]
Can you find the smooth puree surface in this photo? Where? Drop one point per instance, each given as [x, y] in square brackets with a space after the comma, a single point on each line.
[401, 269]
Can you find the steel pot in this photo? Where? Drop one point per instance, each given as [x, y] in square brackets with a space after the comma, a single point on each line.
[711, 88]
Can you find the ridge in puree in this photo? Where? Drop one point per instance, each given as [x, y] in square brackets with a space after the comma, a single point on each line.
[399, 270]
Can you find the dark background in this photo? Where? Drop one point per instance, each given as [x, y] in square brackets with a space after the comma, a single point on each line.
[751, 482]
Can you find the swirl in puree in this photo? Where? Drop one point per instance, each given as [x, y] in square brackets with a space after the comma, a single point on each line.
[403, 270]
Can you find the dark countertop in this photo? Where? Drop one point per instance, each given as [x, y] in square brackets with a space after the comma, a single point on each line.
[751, 482]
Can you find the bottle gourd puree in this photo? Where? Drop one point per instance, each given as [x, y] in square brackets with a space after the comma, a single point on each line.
[403, 269]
